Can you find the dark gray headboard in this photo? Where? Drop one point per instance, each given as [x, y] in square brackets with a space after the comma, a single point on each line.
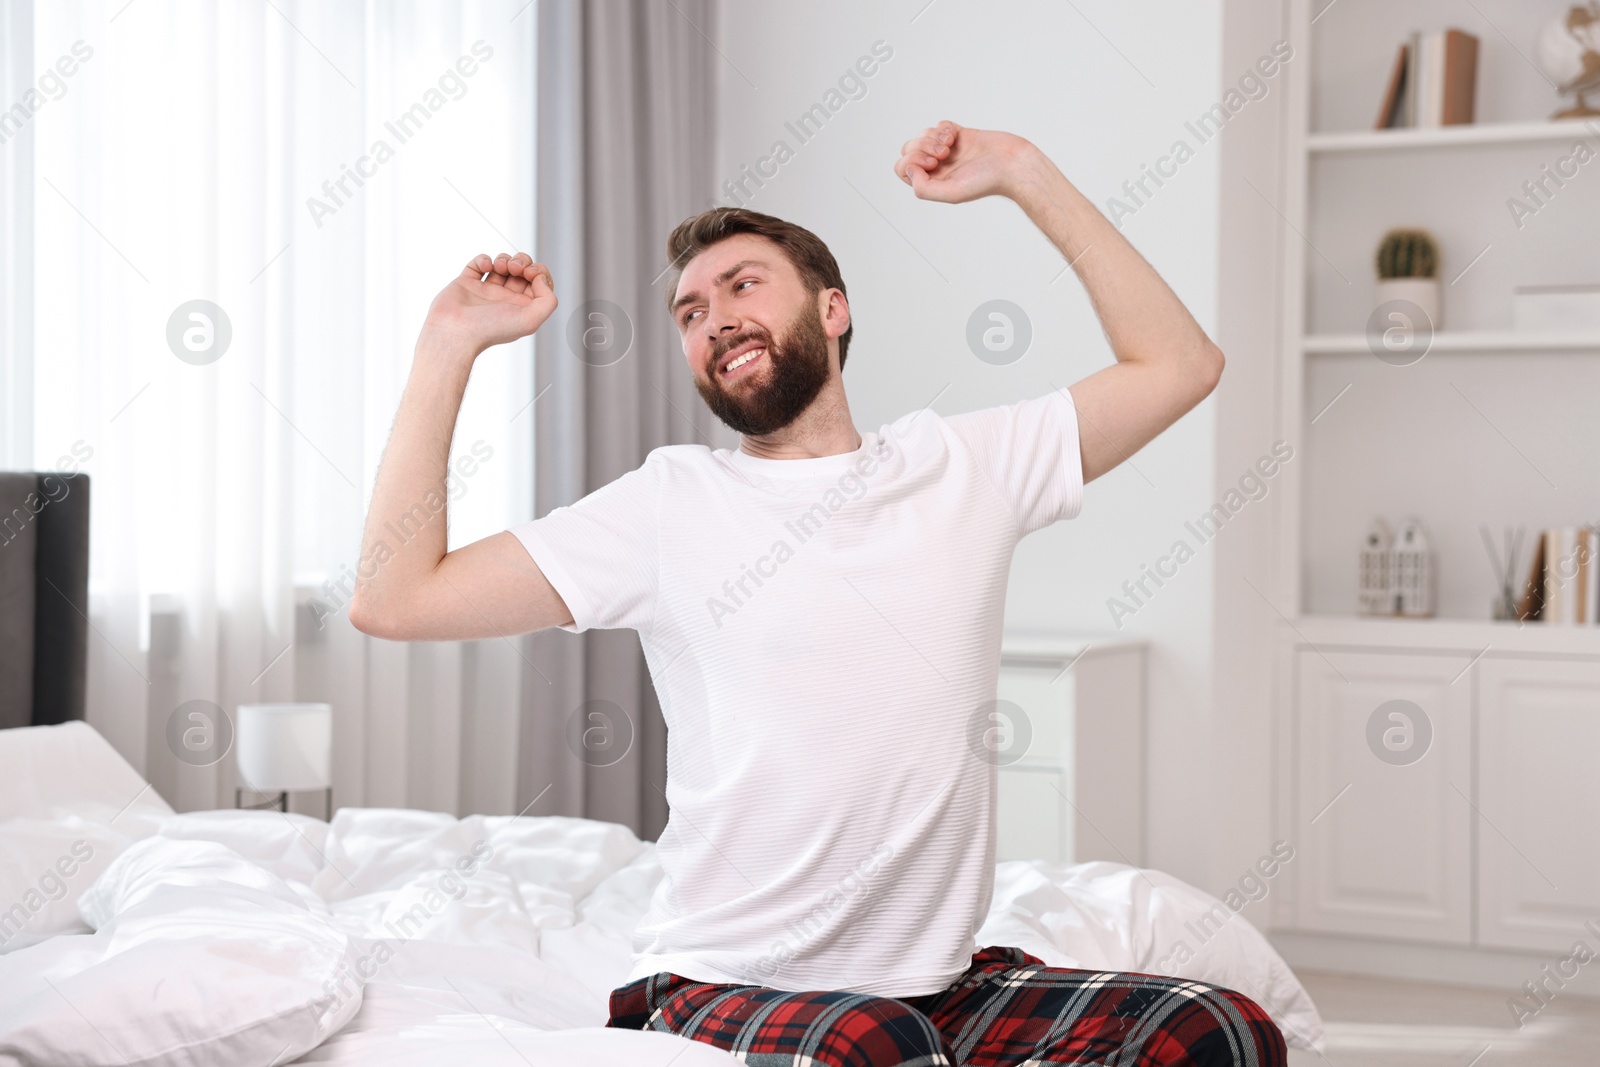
[44, 596]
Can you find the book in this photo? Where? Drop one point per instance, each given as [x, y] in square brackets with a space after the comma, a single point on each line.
[1581, 578]
[1588, 582]
[1555, 600]
[1428, 79]
[1413, 75]
[1530, 608]
[1390, 113]
[1574, 573]
[1433, 81]
[1563, 584]
[1458, 79]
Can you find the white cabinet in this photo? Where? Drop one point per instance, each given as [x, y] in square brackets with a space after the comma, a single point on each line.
[1489, 840]
[1539, 795]
[1384, 840]
[1075, 791]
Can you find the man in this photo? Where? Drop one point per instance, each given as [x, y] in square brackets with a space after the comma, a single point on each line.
[821, 613]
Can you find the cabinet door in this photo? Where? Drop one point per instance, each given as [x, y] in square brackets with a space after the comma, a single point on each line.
[1032, 822]
[1539, 799]
[1382, 836]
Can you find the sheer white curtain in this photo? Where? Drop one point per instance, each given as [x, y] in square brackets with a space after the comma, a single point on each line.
[316, 171]
[16, 236]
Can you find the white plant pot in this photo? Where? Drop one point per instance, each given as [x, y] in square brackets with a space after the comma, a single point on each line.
[1423, 292]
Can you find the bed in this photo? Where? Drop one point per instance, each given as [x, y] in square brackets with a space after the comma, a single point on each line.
[131, 934]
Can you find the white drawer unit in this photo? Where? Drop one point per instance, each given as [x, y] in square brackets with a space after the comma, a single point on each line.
[1071, 736]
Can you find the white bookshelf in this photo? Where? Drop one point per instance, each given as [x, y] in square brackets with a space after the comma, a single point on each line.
[1491, 428]
[1519, 413]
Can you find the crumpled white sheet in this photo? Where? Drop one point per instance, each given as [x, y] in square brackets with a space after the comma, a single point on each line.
[415, 938]
[523, 925]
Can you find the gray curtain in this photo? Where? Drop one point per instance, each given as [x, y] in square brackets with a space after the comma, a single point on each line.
[625, 150]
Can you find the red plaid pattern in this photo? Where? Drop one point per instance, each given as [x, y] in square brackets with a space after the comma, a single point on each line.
[1007, 1010]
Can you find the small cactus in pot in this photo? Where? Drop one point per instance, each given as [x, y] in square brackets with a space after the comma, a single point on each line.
[1408, 265]
[1407, 254]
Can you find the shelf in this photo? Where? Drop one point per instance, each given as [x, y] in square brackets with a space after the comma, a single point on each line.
[1491, 341]
[1450, 136]
[1468, 636]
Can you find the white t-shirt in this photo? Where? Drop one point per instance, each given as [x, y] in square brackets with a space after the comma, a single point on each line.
[824, 637]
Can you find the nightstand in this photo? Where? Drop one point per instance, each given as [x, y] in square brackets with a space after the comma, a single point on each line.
[1076, 791]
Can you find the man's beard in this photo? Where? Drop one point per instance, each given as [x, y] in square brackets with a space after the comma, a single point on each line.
[798, 373]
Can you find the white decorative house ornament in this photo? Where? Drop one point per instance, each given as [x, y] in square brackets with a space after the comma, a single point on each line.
[1377, 596]
[1411, 572]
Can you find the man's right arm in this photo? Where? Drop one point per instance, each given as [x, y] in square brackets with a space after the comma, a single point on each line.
[411, 589]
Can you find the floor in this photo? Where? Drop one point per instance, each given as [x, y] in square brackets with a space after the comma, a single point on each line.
[1382, 1023]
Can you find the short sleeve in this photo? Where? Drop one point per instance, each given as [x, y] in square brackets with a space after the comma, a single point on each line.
[600, 552]
[1030, 451]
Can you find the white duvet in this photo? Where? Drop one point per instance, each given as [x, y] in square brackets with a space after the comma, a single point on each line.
[408, 937]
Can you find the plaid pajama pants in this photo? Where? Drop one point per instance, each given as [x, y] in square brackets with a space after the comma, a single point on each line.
[1007, 1010]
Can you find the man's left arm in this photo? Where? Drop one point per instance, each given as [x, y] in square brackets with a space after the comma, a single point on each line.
[1165, 362]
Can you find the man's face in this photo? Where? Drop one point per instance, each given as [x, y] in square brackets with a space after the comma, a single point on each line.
[742, 297]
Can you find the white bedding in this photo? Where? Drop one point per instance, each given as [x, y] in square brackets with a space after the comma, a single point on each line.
[407, 937]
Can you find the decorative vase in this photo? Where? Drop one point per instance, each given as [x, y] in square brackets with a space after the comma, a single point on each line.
[1422, 292]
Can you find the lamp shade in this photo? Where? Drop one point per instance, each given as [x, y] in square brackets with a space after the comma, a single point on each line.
[284, 748]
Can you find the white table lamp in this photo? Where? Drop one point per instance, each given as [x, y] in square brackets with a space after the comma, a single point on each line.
[283, 749]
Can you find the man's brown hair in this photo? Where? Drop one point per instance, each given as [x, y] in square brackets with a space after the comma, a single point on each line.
[810, 257]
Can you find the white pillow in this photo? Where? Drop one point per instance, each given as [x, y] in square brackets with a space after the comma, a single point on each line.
[45, 866]
[50, 771]
[199, 958]
[70, 805]
[1112, 917]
